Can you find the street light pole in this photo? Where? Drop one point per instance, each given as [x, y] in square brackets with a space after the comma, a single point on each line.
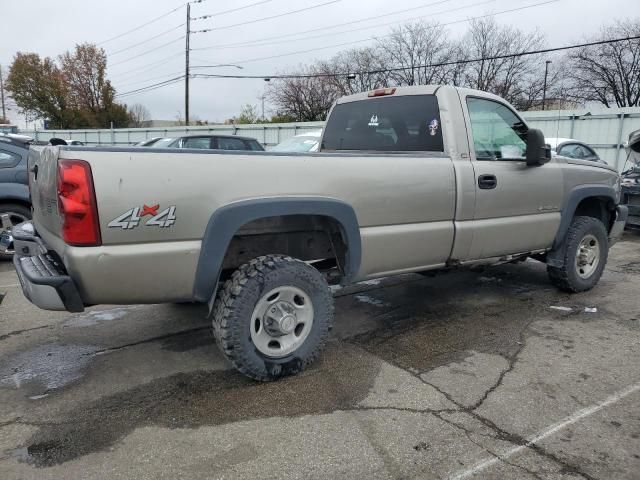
[544, 88]
[186, 67]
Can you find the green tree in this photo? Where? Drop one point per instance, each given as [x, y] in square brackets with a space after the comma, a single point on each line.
[70, 93]
[38, 87]
[248, 114]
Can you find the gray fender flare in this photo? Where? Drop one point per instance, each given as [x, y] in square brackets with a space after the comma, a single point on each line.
[227, 220]
[573, 199]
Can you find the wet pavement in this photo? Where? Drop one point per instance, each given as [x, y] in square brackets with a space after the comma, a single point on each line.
[463, 375]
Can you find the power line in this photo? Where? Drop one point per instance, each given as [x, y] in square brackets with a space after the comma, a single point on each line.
[259, 41]
[377, 38]
[429, 65]
[477, 4]
[135, 29]
[151, 87]
[148, 51]
[164, 76]
[291, 12]
[111, 54]
[217, 14]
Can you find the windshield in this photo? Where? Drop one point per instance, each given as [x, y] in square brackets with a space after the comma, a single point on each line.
[403, 123]
[164, 143]
[297, 144]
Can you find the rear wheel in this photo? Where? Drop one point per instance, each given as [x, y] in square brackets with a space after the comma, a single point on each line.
[272, 318]
[585, 252]
[10, 216]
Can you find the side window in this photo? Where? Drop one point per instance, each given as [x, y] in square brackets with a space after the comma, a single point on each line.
[9, 159]
[226, 143]
[570, 150]
[197, 142]
[498, 133]
[590, 153]
[586, 152]
[254, 146]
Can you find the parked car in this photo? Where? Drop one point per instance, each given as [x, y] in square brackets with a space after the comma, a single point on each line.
[8, 128]
[15, 206]
[64, 141]
[305, 142]
[148, 142]
[631, 180]
[406, 180]
[570, 148]
[210, 142]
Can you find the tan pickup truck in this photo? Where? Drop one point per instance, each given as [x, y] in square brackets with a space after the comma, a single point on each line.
[406, 180]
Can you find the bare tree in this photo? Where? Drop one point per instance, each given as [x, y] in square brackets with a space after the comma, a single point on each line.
[415, 53]
[608, 73]
[139, 115]
[501, 70]
[358, 70]
[304, 98]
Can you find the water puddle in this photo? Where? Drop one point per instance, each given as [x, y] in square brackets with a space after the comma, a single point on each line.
[45, 368]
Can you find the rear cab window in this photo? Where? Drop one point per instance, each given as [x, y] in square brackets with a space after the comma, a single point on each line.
[403, 123]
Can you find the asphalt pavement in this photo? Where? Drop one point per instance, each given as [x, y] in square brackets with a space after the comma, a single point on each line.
[491, 374]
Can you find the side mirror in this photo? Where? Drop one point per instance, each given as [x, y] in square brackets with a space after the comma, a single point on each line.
[538, 153]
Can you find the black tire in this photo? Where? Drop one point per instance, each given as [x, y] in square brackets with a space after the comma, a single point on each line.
[15, 211]
[234, 308]
[567, 277]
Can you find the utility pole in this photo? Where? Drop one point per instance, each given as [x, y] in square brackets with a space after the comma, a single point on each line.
[186, 69]
[544, 88]
[4, 110]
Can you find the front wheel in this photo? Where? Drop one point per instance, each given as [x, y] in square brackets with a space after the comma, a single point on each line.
[585, 252]
[273, 316]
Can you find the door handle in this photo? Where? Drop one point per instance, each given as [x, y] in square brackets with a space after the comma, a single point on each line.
[487, 182]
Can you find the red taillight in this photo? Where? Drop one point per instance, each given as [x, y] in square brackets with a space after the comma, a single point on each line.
[381, 92]
[77, 204]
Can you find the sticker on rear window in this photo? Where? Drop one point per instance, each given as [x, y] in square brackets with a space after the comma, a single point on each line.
[433, 127]
[374, 121]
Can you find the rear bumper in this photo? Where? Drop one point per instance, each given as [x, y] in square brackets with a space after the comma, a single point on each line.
[622, 213]
[42, 275]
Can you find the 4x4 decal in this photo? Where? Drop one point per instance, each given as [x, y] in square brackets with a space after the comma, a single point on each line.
[133, 217]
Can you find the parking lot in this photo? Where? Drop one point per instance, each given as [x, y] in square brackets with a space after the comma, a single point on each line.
[468, 374]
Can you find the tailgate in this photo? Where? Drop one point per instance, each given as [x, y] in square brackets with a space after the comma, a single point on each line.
[43, 167]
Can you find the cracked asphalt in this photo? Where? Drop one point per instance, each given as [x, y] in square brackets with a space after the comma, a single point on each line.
[463, 375]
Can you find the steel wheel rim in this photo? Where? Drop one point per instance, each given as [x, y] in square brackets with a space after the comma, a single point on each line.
[281, 321]
[8, 220]
[587, 256]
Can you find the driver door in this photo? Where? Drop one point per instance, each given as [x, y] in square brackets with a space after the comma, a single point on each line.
[517, 207]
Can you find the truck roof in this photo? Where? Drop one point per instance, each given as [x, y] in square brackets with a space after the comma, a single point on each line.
[420, 90]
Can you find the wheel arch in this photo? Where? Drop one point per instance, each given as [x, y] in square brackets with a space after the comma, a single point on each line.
[226, 221]
[589, 200]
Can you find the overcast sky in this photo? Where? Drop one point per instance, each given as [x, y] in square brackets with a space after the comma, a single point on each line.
[51, 27]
